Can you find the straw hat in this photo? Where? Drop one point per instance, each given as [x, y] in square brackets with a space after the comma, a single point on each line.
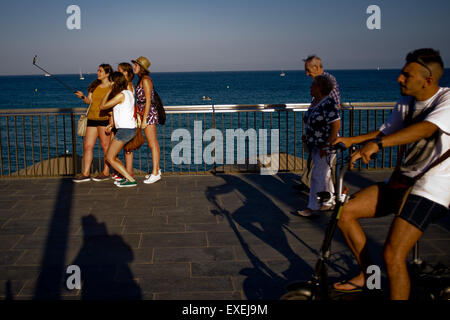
[143, 62]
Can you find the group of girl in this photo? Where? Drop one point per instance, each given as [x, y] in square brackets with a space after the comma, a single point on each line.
[115, 90]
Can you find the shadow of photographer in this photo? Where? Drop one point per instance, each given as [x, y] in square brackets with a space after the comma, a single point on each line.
[100, 258]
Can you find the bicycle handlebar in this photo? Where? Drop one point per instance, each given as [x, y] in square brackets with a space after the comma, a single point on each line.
[342, 170]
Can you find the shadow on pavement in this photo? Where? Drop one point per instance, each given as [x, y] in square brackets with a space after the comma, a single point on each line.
[100, 258]
[264, 220]
[50, 283]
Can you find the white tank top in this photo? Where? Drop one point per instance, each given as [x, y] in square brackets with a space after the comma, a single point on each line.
[124, 112]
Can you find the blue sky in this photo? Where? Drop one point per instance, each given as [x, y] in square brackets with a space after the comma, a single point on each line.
[218, 35]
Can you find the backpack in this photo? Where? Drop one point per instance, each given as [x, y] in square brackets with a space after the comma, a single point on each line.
[159, 107]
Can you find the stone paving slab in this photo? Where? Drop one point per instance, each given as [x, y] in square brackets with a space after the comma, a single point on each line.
[201, 237]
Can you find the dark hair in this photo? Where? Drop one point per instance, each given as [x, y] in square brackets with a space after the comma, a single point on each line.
[94, 84]
[128, 68]
[120, 83]
[425, 57]
[325, 84]
[142, 73]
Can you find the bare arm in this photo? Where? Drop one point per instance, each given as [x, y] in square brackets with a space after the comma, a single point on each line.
[410, 134]
[85, 99]
[349, 141]
[406, 135]
[111, 103]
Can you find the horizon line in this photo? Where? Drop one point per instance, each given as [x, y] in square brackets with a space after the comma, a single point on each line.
[212, 71]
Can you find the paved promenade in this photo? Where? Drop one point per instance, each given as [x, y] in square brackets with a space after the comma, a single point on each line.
[185, 237]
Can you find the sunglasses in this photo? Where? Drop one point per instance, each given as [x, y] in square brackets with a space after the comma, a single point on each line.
[411, 58]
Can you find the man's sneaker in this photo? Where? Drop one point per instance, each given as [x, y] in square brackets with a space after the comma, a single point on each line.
[148, 175]
[117, 182]
[101, 177]
[127, 184]
[152, 179]
[81, 178]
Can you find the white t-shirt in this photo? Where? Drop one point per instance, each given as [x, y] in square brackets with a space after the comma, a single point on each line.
[124, 112]
[435, 184]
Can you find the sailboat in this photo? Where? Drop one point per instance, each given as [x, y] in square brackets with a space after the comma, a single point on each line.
[81, 76]
[282, 74]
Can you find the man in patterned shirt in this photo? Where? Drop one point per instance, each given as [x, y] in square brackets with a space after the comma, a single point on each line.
[314, 68]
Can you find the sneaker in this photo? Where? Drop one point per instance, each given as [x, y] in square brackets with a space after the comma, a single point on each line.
[148, 175]
[81, 178]
[117, 182]
[101, 177]
[127, 184]
[116, 177]
[152, 179]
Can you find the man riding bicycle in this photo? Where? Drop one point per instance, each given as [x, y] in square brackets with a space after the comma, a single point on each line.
[420, 120]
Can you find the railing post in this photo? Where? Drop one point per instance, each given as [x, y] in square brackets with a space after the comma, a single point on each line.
[74, 145]
[352, 120]
[1, 150]
[214, 137]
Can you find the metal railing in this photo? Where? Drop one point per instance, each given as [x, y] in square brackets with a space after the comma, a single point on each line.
[43, 142]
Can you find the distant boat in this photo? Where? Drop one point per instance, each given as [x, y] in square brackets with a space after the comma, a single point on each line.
[46, 75]
[282, 74]
[378, 68]
[81, 76]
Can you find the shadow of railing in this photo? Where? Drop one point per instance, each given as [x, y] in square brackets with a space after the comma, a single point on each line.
[49, 285]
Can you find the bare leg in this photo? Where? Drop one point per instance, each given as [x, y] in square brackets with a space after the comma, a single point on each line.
[89, 143]
[363, 205]
[129, 162]
[402, 237]
[128, 158]
[104, 141]
[152, 139]
[111, 157]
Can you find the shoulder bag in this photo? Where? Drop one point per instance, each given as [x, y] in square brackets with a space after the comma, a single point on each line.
[82, 123]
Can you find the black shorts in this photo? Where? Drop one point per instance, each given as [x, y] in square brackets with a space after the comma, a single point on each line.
[418, 211]
[97, 123]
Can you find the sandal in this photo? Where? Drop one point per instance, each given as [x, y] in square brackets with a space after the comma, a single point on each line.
[356, 288]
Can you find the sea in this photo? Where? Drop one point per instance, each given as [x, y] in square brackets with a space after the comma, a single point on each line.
[189, 88]
[180, 89]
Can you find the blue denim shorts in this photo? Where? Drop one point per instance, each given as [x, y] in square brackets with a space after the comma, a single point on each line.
[125, 135]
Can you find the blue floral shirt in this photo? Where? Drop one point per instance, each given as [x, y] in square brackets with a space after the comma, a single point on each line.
[317, 122]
